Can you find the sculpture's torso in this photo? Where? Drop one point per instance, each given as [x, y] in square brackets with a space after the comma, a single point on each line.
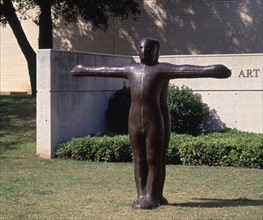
[146, 86]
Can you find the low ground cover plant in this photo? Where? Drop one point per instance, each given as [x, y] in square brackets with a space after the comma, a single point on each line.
[227, 148]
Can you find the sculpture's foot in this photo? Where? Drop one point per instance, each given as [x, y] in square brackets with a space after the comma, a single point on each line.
[163, 201]
[145, 203]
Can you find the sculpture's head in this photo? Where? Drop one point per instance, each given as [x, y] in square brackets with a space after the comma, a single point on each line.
[149, 50]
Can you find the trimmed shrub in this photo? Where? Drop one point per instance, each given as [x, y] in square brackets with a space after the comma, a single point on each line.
[231, 149]
[103, 148]
[228, 148]
[187, 110]
[118, 111]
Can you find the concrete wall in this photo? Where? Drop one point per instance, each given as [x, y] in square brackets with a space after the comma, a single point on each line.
[238, 100]
[70, 107]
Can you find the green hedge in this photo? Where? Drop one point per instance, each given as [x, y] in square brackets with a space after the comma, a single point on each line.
[229, 148]
[97, 148]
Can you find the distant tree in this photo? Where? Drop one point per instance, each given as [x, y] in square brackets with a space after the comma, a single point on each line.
[49, 12]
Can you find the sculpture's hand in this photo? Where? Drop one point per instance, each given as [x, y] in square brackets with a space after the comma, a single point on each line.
[222, 71]
[77, 70]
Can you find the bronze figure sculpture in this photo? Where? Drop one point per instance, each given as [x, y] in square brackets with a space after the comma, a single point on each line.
[149, 119]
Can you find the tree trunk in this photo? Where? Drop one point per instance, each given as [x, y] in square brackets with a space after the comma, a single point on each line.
[29, 53]
[45, 25]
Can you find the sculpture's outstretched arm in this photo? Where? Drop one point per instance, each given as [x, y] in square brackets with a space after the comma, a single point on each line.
[99, 71]
[191, 71]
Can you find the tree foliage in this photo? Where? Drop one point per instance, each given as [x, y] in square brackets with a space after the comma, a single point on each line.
[50, 12]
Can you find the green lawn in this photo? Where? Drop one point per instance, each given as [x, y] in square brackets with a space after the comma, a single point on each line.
[34, 188]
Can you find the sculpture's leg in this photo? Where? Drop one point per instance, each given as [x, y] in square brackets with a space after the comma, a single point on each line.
[140, 165]
[163, 200]
[154, 145]
[167, 130]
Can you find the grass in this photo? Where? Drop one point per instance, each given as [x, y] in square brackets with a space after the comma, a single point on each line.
[34, 188]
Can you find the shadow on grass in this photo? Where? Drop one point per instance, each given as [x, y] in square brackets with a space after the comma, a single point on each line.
[219, 203]
[17, 121]
[7, 145]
